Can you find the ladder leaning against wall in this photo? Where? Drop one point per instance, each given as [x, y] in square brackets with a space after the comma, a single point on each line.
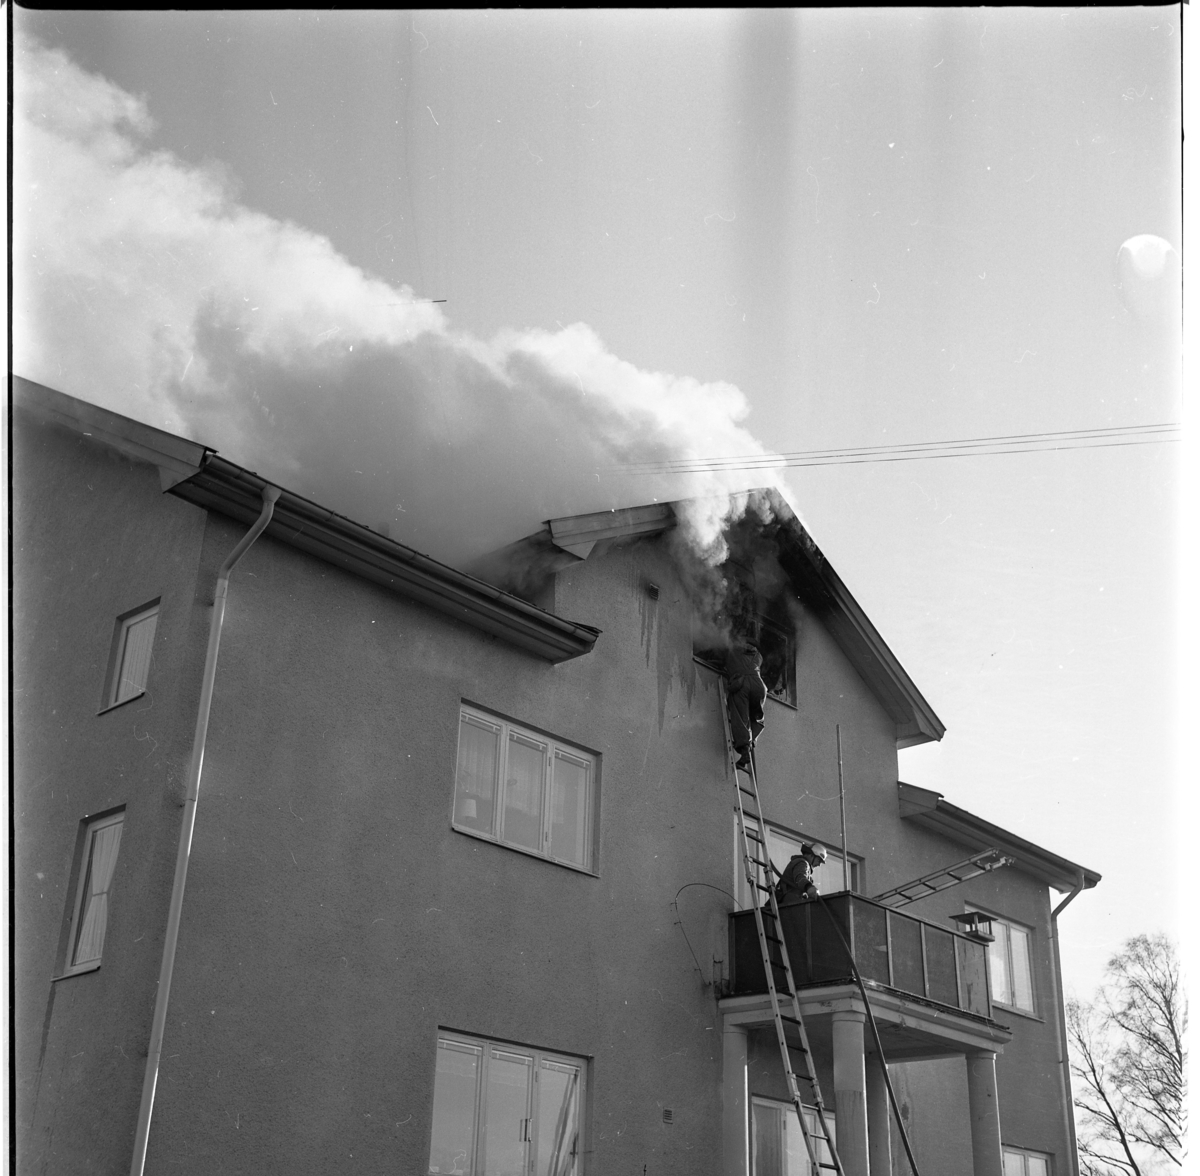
[794, 1050]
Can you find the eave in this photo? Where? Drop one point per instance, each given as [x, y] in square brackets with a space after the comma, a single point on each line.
[931, 810]
[198, 475]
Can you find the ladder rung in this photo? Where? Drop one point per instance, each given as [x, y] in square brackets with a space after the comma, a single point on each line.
[753, 836]
[771, 938]
[748, 791]
[758, 861]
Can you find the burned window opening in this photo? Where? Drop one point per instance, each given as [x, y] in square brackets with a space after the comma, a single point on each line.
[775, 640]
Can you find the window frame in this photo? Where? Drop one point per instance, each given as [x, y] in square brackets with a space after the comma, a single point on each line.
[555, 747]
[1008, 924]
[537, 1057]
[117, 650]
[786, 1108]
[782, 832]
[87, 844]
[1026, 1153]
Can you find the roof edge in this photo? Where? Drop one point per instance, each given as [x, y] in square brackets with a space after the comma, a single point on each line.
[176, 457]
[198, 475]
[931, 810]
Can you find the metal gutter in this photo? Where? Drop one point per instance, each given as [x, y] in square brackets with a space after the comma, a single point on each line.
[229, 489]
[183, 855]
[931, 810]
[1064, 1056]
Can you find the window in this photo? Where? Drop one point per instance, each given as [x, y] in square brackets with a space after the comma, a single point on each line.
[782, 847]
[777, 644]
[776, 1145]
[502, 1109]
[101, 844]
[524, 790]
[1011, 972]
[1019, 1162]
[774, 640]
[129, 662]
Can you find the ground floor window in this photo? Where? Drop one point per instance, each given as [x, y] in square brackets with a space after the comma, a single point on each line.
[1020, 1162]
[777, 1146]
[504, 1110]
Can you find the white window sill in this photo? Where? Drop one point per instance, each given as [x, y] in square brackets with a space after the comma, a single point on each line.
[85, 970]
[124, 701]
[541, 857]
[1028, 1014]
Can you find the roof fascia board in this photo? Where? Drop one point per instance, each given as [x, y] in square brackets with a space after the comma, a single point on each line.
[864, 646]
[578, 534]
[931, 810]
[230, 490]
[176, 457]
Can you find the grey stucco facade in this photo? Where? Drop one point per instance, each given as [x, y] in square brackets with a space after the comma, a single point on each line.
[335, 920]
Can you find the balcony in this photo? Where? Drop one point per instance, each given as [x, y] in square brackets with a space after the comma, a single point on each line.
[918, 962]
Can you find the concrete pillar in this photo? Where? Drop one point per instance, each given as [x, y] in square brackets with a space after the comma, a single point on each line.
[985, 1113]
[735, 1103]
[850, 1091]
[879, 1120]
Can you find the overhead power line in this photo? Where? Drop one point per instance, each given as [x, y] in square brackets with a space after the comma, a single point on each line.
[923, 450]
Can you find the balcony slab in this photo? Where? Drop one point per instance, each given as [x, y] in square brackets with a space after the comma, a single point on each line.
[910, 1029]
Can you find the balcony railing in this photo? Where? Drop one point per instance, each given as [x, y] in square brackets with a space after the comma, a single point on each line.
[908, 955]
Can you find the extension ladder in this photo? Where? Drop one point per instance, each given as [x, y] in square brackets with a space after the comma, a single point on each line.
[972, 867]
[794, 1051]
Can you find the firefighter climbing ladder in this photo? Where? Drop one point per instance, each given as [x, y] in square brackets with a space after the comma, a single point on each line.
[798, 1064]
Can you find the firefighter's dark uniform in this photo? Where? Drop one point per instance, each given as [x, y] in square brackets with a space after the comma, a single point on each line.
[796, 882]
[746, 694]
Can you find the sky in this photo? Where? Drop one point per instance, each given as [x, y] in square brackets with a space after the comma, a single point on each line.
[583, 241]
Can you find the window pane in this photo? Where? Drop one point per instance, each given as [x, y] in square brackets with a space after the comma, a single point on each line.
[828, 877]
[1036, 1166]
[454, 1096]
[795, 1153]
[768, 1140]
[1014, 1163]
[506, 1113]
[478, 760]
[568, 810]
[523, 793]
[780, 849]
[137, 642]
[998, 963]
[103, 845]
[824, 1155]
[558, 1120]
[1022, 977]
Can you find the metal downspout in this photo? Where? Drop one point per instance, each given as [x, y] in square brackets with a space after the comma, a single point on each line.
[1064, 1061]
[142, 1137]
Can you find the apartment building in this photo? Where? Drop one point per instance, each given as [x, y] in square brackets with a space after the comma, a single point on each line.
[464, 892]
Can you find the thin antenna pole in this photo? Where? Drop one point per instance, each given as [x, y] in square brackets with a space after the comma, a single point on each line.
[842, 799]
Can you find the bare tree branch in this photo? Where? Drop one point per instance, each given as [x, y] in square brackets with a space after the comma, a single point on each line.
[1128, 1055]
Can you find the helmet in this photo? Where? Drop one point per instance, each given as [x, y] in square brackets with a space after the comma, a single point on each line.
[817, 851]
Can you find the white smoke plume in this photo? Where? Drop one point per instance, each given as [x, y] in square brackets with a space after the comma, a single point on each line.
[142, 284]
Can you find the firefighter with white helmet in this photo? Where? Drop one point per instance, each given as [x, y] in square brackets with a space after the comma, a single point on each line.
[796, 881]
